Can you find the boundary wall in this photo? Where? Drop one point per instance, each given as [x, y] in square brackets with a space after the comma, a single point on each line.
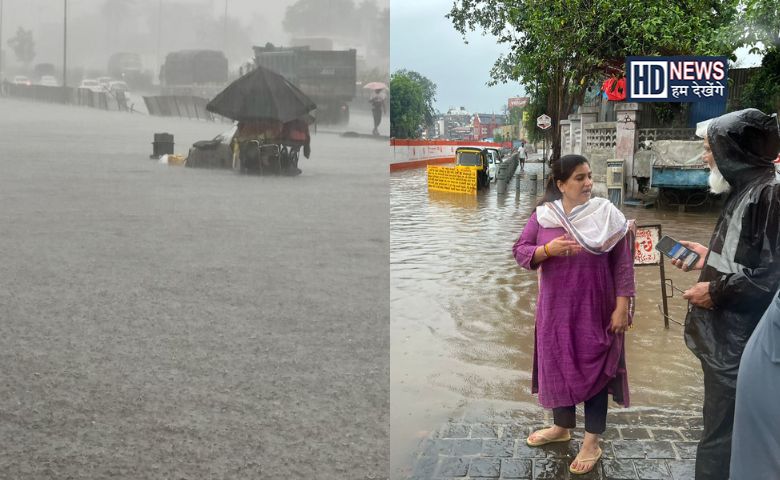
[419, 153]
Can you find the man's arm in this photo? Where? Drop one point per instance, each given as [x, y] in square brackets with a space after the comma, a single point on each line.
[752, 286]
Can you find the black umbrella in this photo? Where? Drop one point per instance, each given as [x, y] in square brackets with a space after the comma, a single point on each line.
[261, 94]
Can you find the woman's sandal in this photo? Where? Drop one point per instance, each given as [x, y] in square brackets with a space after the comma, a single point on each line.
[591, 460]
[545, 439]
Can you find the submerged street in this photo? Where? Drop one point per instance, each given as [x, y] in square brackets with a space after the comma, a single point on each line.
[462, 322]
[169, 322]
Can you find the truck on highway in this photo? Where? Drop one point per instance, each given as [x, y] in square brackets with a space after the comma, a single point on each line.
[127, 66]
[194, 72]
[326, 76]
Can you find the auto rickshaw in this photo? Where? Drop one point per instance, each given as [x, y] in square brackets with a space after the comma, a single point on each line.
[477, 158]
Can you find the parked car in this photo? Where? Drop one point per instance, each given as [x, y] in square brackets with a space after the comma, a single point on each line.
[21, 80]
[494, 160]
[48, 81]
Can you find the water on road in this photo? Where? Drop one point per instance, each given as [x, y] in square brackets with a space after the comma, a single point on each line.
[171, 322]
[462, 313]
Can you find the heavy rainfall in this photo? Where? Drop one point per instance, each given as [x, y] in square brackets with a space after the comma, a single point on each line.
[161, 321]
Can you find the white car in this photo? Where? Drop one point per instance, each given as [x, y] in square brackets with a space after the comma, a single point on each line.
[117, 86]
[48, 81]
[104, 82]
[494, 160]
[21, 80]
[91, 84]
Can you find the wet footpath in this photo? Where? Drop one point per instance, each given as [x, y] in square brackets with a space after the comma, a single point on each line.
[638, 445]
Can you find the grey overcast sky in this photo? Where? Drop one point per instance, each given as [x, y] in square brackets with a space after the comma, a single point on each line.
[98, 28]
[421, 39]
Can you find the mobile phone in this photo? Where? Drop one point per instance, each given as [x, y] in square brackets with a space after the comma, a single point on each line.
[675, 250]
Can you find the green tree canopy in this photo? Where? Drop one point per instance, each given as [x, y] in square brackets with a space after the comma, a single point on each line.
[408, 106]
[23, 45]
[566, 45]
[760, 20]
[763, 90]
[429, 94]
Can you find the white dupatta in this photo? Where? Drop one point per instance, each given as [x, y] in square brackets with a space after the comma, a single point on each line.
[596, 225]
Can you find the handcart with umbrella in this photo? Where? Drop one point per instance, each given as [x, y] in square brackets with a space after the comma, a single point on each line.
[264, 103]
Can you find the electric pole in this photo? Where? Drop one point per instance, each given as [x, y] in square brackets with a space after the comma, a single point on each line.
[65, 46]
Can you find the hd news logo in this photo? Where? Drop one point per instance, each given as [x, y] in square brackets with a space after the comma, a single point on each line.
[676, 79]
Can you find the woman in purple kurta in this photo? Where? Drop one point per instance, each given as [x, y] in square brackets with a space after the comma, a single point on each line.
[582, 248]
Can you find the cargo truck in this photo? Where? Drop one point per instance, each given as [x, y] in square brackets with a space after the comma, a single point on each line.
[326, 76]
[194, 72]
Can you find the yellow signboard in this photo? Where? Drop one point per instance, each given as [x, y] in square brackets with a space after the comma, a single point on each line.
[449, 179]
[525, 116]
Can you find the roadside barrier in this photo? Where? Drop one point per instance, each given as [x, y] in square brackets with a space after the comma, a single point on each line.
[184, 106]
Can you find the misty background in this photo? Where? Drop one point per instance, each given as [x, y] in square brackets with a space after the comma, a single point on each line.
[153, 28]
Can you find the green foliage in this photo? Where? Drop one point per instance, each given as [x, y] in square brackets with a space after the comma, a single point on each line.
[429, 93]
[498, 137]
[407, 106]
[763, 90]
[536, 106]
[23, 45]
[565, 45]
[760, 20]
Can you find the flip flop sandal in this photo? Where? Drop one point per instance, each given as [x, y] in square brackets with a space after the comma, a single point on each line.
[585, 470]
[544, 440]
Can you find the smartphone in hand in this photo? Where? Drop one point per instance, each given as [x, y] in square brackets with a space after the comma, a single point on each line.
[675, 250]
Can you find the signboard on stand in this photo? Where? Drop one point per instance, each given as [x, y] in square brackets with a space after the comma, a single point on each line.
[645, 252]
[544, 121]
[452, 179]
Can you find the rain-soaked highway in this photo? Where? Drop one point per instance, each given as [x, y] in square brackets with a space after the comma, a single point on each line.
[161, 322]
[462, 314]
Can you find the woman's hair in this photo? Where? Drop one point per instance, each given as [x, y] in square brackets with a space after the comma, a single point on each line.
[562, 169]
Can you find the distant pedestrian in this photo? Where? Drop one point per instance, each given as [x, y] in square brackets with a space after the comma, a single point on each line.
[740, 271]
[522, 156]
[378, 108]
[582, 248]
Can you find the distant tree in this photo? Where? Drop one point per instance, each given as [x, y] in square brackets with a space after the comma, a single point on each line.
[23, 45]
[763, 89]
[497, 137]
[429, 94]
[760, 20]
[407, 106]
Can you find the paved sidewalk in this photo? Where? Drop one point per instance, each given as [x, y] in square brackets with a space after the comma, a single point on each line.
[639, 445]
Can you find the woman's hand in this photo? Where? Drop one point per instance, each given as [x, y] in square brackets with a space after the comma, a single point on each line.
[563, 246]
[696, 247]
[620, 316]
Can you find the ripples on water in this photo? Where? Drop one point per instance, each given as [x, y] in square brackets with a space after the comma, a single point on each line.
[462, 311]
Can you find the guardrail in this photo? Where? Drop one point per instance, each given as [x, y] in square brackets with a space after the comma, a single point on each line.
[66, 95]
[185, 106]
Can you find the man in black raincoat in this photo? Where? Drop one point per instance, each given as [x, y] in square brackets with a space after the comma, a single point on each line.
[740, 270]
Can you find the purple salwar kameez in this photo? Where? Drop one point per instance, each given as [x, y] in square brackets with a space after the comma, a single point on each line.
[575, 354]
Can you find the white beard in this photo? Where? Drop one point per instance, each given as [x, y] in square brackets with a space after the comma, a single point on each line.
[718, 184]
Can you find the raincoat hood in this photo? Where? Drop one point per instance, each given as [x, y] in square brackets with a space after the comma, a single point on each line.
[744, 144]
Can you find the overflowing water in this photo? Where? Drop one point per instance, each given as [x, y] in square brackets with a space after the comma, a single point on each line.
[462, 312]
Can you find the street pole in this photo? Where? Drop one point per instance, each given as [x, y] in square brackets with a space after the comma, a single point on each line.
[159, 33]
[1, 39]
[65, 47]
[224, 30]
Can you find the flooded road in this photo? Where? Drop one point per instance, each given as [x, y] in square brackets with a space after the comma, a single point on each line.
[462, 313]
[170, 322]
